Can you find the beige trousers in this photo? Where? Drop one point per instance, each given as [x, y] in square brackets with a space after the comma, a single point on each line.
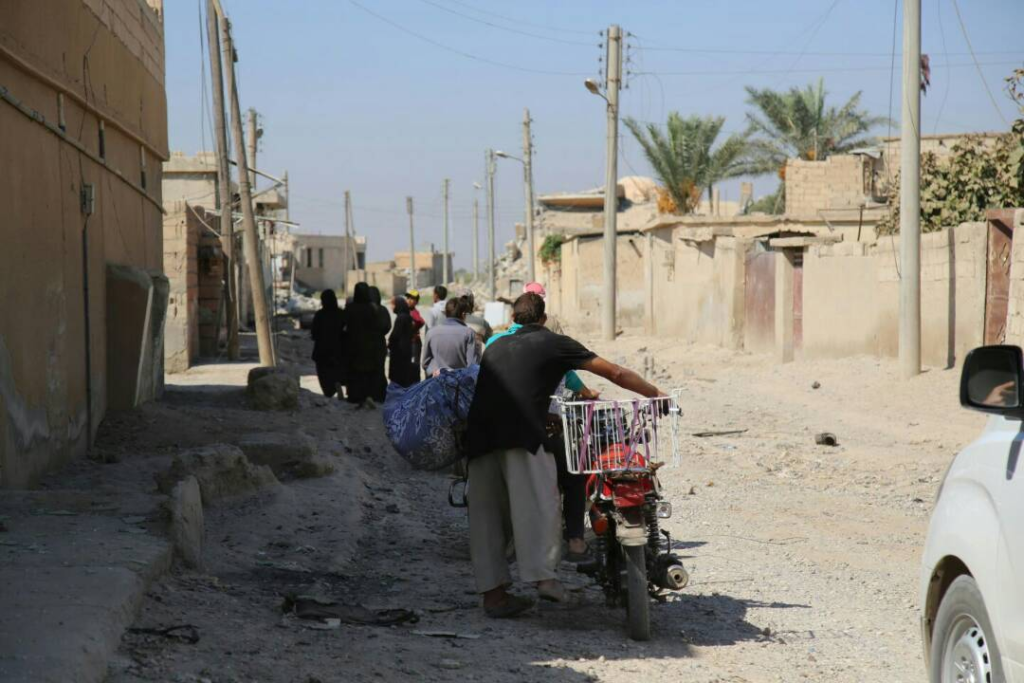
[513, 494]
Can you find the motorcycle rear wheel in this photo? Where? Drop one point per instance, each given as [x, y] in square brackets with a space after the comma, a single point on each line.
[638, 601]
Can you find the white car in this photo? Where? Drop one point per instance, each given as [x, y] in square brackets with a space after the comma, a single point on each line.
[972, 574]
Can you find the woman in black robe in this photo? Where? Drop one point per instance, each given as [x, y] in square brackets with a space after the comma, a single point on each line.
[403, 369]
[363, 327]
[328, 334]
[380, 382]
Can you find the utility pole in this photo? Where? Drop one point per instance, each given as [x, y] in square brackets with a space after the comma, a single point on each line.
[256, 281]
[412, 246]
[346, 259]
[245, 310]
[528, 184]
[446, 277]
[611, 195]
[490, 225]
[476, 234]
[910, 194]
[227, 224]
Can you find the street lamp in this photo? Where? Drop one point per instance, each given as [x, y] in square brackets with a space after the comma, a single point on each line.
[593, 87]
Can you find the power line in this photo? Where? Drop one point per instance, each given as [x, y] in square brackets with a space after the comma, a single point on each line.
[963, 29]
[769, 72]
[810, 39]
[553, 29]
[505, 28]
[945, 55]
[730, 51]
[462, 53]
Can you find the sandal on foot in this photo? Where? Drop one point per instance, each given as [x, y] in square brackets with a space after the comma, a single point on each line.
[579, 558]
[558, 593]
[513, 606]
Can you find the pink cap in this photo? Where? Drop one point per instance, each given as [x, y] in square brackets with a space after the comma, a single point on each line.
[534, 288]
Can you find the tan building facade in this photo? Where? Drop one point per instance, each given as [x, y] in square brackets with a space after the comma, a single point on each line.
[320, 259]
[83, 132]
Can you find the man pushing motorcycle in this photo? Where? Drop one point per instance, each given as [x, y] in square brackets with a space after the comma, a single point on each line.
[514, 481]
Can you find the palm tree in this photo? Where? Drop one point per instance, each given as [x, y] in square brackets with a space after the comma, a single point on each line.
[796, 124]
[684, 160]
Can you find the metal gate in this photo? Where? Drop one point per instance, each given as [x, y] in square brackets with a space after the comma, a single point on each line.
[759, 301]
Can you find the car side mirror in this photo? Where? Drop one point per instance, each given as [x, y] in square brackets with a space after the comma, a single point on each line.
[993, 380]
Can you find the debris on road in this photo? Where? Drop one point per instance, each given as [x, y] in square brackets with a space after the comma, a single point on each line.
[317, 609]
[448, 634]
[186, 633]
[826, 439]
[722, 432]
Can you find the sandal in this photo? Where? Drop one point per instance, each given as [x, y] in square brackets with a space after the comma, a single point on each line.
[513, 606]
[579, 558]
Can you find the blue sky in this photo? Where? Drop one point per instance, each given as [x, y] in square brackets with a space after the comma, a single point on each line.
[350, 101]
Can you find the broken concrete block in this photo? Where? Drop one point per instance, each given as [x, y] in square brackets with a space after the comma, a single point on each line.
[317, 466]
[187, 525]
[222, 471]
[273, 389]
[293, 455]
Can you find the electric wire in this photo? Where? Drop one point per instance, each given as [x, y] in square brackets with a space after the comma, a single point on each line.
[945, 55]
[888, 165]
[849, 69]
[506, 28]
[462, 53]
[553, 29]
[981, 74]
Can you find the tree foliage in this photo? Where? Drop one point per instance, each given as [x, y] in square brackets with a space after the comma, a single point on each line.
[685, 156]
[974, 177]
[959, 188]
[797, 124]
[551, 249]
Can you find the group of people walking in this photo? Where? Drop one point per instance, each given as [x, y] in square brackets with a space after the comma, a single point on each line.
[358, 349]
[523, 495]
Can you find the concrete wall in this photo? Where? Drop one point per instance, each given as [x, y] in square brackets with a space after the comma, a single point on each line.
[1015, 317]
[841, 181]
[580, 281]
[698, 288]
[53, 249]
[181, 241]
[851, 297]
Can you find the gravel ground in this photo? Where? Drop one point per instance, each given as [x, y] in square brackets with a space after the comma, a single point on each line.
[803, 558]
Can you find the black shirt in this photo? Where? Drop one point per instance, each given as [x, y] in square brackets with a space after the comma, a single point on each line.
[518, 375]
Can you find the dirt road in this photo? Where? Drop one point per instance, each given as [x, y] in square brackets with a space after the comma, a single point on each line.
[803, 558]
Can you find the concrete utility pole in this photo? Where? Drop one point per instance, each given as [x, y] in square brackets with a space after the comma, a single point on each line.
[910, 194]
[531, 263]
[346, 259]
[611, 195]
[245, 309]
[412, 246]
[227, 224]
[264, 338]
[492, 285]
[476, 234]
[446, 277]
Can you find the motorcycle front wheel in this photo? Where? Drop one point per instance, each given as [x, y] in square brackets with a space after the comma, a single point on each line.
[638, 601]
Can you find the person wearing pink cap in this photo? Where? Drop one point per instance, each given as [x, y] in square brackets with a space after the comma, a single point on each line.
[535, 288]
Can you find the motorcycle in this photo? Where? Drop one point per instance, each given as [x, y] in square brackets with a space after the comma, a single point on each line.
[621, 446]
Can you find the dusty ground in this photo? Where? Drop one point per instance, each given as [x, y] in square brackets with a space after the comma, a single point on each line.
[803, 558]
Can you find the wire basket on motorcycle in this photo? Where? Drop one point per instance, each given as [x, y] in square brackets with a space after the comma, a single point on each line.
[606, 436]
